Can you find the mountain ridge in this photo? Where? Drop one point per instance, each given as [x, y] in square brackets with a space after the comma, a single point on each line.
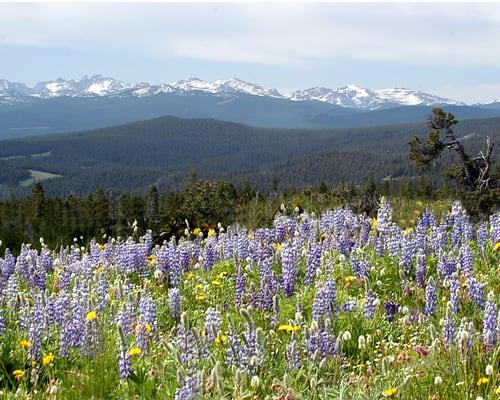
[350, 96]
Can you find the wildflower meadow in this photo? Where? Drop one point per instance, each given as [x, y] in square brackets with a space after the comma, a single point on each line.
[319, 306]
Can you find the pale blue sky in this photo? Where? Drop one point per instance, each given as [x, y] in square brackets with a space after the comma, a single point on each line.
[446, 49]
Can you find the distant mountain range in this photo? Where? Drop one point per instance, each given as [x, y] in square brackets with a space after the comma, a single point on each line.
[348, 96]
[75, 105]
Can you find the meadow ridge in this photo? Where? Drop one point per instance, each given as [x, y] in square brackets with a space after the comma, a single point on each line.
[327, 306]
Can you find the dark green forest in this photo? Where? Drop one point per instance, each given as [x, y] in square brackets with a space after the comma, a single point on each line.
[163, 152]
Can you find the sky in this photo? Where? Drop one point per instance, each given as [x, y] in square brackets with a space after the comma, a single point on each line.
[445, 49]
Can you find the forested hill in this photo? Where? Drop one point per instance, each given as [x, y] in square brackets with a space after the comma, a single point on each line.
[164, 151]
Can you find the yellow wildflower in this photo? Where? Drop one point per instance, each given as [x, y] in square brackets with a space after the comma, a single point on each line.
[497, 246]
[288, 328]
[147, 328]
[216, 282]
[497, 391]
[349, 279]
[390, 392]
[196, 231]
[33, 363]
[18, 373]
[200, 297]
[250, 236]
[91, 315]
[25, 344]
[374, 223]
[189, 276]
[221, 339]
[135, 351]
[152, 259]
[211, 232]
[199, 286]
[278, 247]
[222, 274]
[46, 360]
[482, 380]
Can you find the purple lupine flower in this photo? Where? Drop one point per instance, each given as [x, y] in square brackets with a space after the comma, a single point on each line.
[172, 264]
[490, 327]
[190, 348]
[239, 286]
[495, 227]
[124, 319]
[369, 311]
[2, 322]
[446, 266]
[449, 327]
[393, 239]
[103, 292]
[482, 234]
[213, 321]
[359, 265]
[364, 232]
[124, 364]
[191, 388]
[148, 241]
[281, 227]
[454, 292]
[390, 310]
[174, 302]
[312, 263]
[408, 249]
[324, 301]
[421, 269]
[384, 215]
[147, 309]
[293, 355]
[35, 330]
[242, 247]
[475, 291]
[210, 255]
[288, 270]
[319, 343]
[466, 260]
[430, 297]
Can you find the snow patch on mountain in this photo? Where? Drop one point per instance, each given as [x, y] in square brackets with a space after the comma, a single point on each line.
[350, 96]
[357, 97]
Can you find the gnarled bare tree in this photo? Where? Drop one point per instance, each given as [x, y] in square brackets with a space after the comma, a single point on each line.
[476, 170]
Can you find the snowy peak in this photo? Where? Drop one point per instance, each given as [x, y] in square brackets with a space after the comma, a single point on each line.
[94, 86]
[350, 96]
[224, 87]
[353, 96]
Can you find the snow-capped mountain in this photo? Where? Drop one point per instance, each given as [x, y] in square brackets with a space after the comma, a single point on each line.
[356, 97]
[350, 96]
[94, 86]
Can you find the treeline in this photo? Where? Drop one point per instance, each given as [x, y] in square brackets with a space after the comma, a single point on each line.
[200, 204]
